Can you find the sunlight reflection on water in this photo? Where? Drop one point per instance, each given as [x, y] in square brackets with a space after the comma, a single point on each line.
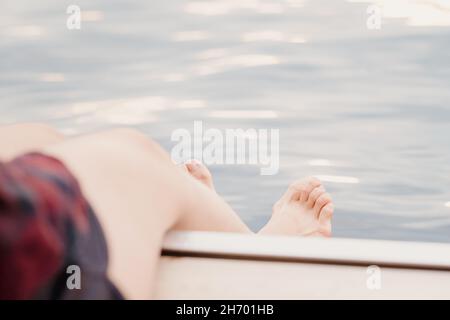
[367, 111]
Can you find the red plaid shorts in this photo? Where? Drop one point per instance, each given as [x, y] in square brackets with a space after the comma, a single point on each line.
[46, 225]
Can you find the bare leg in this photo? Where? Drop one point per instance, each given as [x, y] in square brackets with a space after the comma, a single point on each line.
[305, 209]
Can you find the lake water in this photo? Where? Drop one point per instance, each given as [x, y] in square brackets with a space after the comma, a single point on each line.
[368, 110]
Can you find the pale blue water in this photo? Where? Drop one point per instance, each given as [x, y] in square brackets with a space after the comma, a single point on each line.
[368, 109]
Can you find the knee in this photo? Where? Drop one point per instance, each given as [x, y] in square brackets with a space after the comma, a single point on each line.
[18, 139]
[132, 138]
[38, 131]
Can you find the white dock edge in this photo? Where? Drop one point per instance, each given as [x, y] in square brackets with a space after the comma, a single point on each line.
[207, 265]
[318, 250]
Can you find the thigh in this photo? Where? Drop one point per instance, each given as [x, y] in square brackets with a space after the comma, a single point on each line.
[130, 182]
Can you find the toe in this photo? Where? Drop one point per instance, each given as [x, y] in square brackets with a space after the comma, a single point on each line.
[311, 184]
[198, 170]
[321, 202]
[314, 195]
[326, 213]
[295, 190]
[300, 189]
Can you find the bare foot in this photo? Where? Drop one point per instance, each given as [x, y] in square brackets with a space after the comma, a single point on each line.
[200, 172]
[305, 209]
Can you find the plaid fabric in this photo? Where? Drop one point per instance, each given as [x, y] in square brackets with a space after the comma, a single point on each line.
[47, 225]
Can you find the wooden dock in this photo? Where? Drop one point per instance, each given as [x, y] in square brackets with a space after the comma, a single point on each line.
[203, 265]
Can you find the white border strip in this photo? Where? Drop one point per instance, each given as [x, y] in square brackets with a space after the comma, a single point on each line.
[318, 250]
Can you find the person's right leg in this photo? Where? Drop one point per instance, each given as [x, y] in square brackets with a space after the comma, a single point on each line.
[138, 194]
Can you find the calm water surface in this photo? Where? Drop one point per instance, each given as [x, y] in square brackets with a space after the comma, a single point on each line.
[368, 110]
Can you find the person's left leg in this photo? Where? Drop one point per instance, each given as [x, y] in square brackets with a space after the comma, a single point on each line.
[305, 208]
